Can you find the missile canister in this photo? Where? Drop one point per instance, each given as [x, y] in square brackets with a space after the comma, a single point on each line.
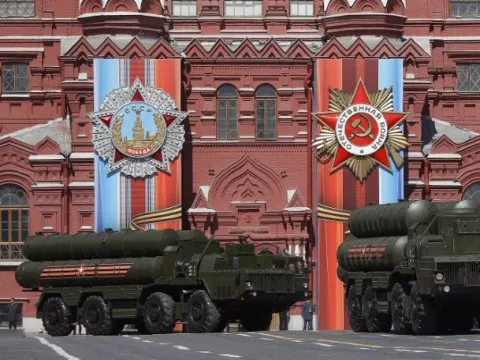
[124, 271]
[103, 245]
[393, 219]
[374, 254]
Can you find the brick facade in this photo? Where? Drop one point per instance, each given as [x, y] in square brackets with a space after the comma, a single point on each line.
[45, 147]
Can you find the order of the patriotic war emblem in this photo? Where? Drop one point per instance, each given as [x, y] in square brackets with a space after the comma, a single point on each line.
[138, 130]
[360, 131]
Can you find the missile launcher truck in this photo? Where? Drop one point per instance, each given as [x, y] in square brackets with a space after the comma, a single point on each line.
[412, 266]
[154, 278]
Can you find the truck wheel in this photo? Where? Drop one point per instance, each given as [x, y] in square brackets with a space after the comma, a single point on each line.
[375, 321]
[158, 313]
[423, 313]
[400, 321]
[256, 319]
[96, 316]
[56, 317]
[354, 307]
[203, 315]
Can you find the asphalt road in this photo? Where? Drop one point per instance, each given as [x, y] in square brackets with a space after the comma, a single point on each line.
[276, 345]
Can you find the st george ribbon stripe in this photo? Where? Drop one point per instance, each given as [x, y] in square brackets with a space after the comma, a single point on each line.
[338, 193]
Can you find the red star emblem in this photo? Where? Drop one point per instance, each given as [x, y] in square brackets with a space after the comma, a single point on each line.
[362, 130]
[137, 97]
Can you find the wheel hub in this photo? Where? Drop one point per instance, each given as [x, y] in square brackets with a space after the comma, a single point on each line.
[92, 316]
[52, 317]
[197, 312]
[154, 313]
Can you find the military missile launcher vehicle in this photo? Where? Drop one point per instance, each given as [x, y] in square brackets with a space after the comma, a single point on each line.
[414, 265]
[154, 278]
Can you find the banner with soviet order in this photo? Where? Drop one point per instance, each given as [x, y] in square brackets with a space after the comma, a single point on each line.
[138, 134]
[359, 142]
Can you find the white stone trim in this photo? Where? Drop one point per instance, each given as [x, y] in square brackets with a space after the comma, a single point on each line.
[86, 227]
[291, 89]
[286, 136]
[82, 156]
[444, 156]
[208, 137]
[246, 137]
[246, 89]
[120, 13]
[208, 117]
[301, 132]
[351, 2]
[45, 91]
[21, 49]
[18, 95]
[201, 210]
[415, 154]
[47, 228]
[47, 184]
[77, 184]
[10, 263]
[415, 182]
[46, 157]
[449, 183]
[203, 88]
[297, 208]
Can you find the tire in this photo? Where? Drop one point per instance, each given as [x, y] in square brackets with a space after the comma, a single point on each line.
[203, 316]
[354, 308]
[96, 316]
[56, 317]
[159, 313]
[256, 319]
[423, 313]
[400, 322]
[374, 320]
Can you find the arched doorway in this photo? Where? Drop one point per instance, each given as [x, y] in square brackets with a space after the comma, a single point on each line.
[472, 192]
[14, 221]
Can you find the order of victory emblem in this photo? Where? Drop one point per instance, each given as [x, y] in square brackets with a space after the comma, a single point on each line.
[138, 130]
[361, 130]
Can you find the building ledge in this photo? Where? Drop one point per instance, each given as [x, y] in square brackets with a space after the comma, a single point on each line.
[81, 184]
[46, 157]
[10, 263]
[46, 184]
[82, 156]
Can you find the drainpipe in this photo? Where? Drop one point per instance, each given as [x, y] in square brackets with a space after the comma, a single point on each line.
[66, 202]
[426, 177]
[310, 201]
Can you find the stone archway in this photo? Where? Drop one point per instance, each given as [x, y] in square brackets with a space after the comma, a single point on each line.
[248, 198]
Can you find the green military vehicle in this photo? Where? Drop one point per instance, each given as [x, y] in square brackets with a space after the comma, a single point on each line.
[412, 266]
[154, 278]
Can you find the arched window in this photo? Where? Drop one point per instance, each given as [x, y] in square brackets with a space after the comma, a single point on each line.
[227, 114]
[14, 221]
[266, 105]
[472, 192]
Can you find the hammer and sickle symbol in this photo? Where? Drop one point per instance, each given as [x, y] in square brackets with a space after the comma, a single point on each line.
[357, 124]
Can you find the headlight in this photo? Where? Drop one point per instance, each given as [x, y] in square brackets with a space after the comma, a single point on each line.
[305, 285]
[439, 276]
[446, 289]
[248, 284]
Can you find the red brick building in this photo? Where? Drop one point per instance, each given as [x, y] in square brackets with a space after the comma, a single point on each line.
[247, 75]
